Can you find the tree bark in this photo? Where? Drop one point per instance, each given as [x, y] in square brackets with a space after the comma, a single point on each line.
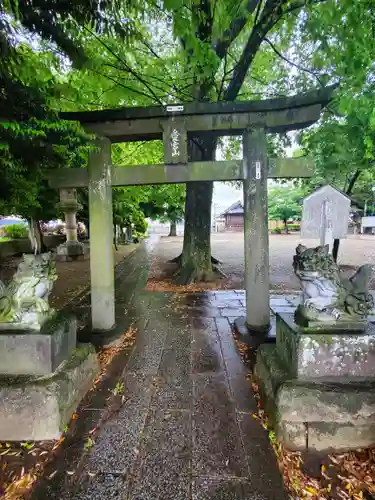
[115, 237]
[196, 254]
[36, 236]
[286, 226]
[173, 229]
[129, 234]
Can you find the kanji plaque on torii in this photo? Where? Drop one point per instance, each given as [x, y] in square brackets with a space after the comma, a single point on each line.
[175, 141]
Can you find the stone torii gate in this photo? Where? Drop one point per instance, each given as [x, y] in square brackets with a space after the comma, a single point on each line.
[174, 124]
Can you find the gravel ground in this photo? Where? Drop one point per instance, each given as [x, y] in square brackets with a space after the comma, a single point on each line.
[228, 247]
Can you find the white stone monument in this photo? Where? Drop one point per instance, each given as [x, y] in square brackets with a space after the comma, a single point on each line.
[325, 215]
[368, 222]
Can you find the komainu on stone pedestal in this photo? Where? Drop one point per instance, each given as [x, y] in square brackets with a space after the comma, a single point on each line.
[24, 301]
[327, 296]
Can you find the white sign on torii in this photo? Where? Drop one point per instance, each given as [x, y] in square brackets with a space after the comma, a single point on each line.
[325, 215]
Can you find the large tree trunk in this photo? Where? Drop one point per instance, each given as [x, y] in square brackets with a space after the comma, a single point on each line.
[173, 229]
[36, 236]
[196, 254]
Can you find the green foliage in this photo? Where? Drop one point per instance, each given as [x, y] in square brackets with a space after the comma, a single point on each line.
[277, 230]
[294, 227]
[140, 223]
[33, 140]
[165, 202]
[61, 22]
[343, 145]
[16, 231]
[284, 203]
[177, 51]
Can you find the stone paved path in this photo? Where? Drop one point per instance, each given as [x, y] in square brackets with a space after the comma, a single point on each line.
[185, 430]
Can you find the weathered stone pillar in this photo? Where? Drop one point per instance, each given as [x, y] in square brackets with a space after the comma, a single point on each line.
[101, 237]
[72, 249]
[256, 230]
[70, 208]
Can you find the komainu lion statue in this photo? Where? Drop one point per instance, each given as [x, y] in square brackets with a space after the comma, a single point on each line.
[24, 301]
[327, 296]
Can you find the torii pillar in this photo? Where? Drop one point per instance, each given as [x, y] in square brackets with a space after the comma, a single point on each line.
[256, 230]
[101, 237]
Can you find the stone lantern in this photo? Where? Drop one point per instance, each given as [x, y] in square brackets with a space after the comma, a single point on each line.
[72, 249]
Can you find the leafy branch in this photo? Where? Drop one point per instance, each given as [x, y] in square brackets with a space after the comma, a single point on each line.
[222, 45]
[271, 14]
[315, 74]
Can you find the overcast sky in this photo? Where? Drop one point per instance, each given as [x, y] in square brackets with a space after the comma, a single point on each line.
[224, 196]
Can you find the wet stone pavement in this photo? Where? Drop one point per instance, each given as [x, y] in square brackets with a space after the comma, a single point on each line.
[185, 429]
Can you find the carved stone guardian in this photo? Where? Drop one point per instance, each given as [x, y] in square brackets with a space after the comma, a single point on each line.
[24, 301]
[327, 296]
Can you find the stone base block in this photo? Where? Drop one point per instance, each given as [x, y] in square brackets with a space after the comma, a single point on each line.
[344, 403]
[325, 436]
[38, 408]
[323, 353]
[72, 250]
[271, 374]
[315, 415]
[253, 338]
[30, 352]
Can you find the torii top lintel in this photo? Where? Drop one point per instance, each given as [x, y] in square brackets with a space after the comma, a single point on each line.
[225, 118]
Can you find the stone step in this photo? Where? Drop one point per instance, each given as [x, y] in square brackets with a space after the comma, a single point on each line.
[325, 437]
[351, 402]
[317, 414]
[324, 353]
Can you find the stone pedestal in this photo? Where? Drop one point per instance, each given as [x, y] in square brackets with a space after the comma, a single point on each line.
[319, 387]
[72, 250]
[38, 408]
[43, 377]
[325, 352]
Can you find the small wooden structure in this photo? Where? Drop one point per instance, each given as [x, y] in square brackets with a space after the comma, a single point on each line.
[234, 217]
[175, 125]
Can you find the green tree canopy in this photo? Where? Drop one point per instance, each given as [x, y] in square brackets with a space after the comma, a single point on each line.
[284, 203]
[343, 145]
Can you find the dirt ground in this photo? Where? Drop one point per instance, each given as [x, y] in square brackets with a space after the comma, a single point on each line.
[229, 249]
[73, 277]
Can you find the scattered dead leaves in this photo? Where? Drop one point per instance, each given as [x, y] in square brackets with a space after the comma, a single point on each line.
[168, 285]
[106, 355]
[21, 464]
[342, 476]
[162, 279]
